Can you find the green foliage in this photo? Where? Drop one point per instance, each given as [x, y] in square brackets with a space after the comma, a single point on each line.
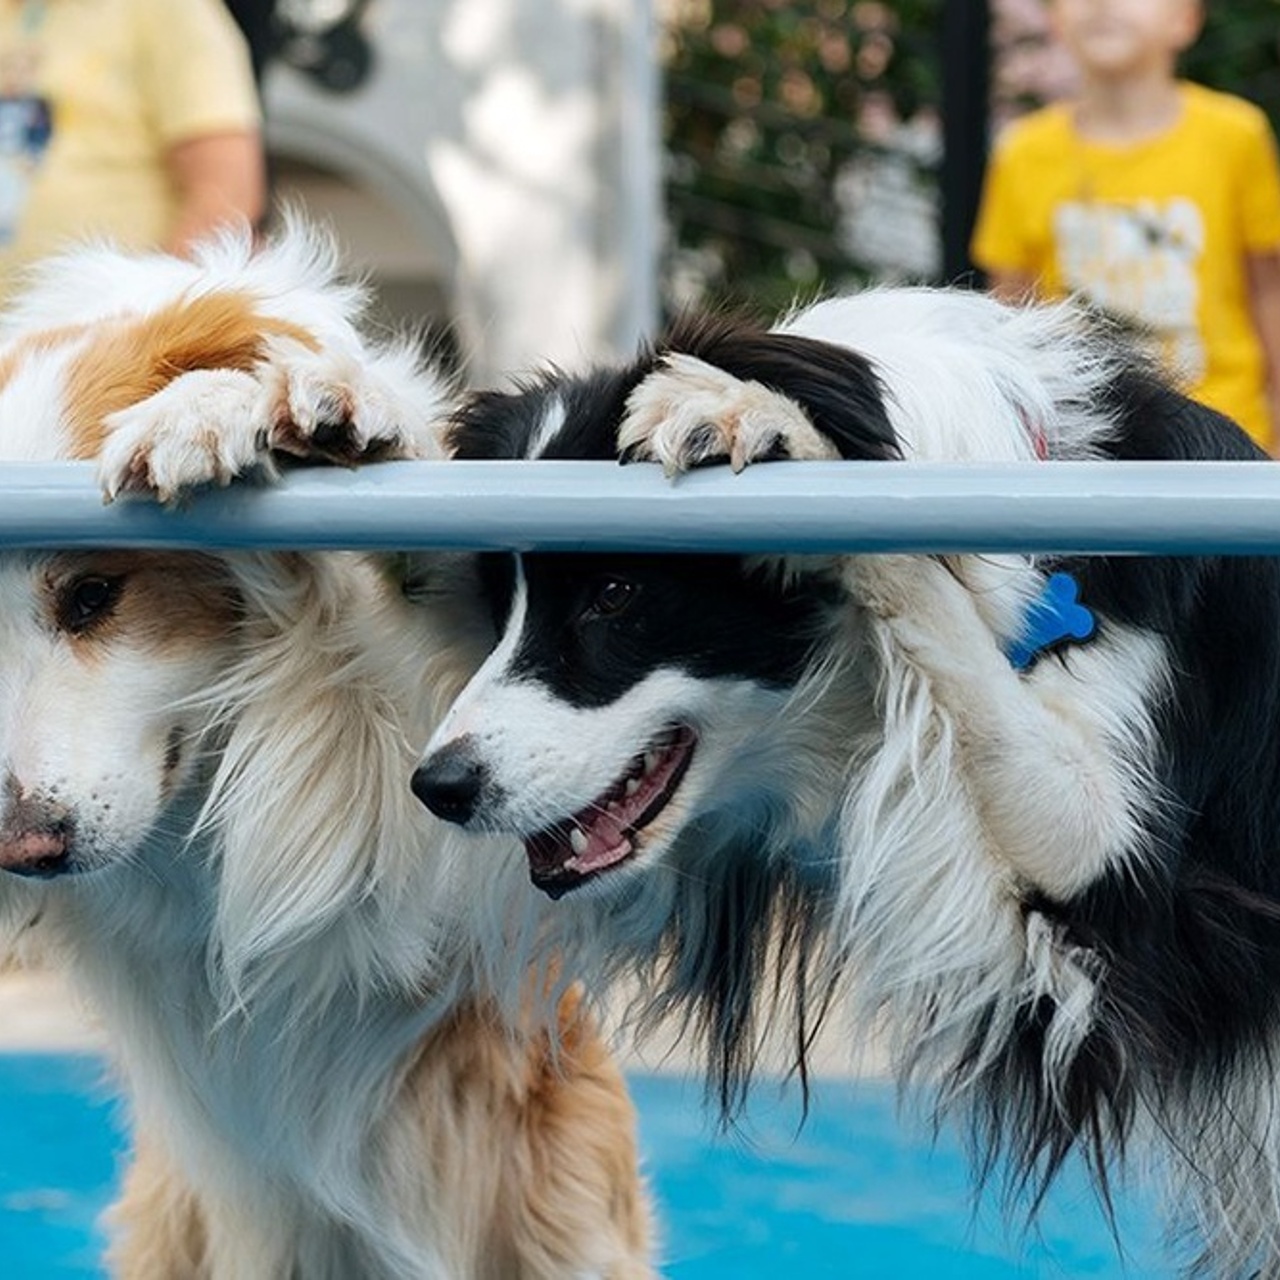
[1239, 51]
[763, 99]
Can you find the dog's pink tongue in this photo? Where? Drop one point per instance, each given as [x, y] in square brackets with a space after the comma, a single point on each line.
[598, 845]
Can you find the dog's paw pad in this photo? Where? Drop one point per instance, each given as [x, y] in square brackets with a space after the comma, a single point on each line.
[334, 439]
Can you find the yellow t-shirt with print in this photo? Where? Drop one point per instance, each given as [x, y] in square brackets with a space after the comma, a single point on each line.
[93, 93]
[1157, 232]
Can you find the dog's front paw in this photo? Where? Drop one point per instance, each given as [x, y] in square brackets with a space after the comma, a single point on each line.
[205, 427]
[213, 426]
[369, 408]
[689, 414]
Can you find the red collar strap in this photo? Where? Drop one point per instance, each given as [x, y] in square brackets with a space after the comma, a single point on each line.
[1039, 441]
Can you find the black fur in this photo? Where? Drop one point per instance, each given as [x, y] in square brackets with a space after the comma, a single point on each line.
[1191, 940]
[839, 389]
[746, 624]
[500, 425]
[753, 955]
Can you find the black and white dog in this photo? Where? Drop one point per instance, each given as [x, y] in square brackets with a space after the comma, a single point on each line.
[1023, 814]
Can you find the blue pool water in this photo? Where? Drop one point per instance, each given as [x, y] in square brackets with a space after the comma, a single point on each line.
[858, 1192]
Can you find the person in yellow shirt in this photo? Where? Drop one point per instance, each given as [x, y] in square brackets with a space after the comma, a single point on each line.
[1154, 199]
[131, 120]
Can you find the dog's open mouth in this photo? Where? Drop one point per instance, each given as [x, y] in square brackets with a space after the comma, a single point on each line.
[603, 835]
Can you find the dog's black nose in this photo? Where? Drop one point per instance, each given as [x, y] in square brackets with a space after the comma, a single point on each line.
[449, 782]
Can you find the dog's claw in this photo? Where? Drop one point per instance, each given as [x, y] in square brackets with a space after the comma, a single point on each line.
[137, 476]
[702, 445]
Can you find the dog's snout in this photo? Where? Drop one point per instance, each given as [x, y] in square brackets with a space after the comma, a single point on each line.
[34, 853]
[35, 834]
[449, 782]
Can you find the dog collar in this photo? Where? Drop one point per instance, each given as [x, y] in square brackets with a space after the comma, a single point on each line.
[1036, 433]
[1055, 617]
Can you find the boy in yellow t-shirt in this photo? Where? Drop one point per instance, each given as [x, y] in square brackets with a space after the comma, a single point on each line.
[1156, 200]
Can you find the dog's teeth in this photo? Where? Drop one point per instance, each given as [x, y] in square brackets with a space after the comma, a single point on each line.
[633, 785]
[578, 840]
[651, 759]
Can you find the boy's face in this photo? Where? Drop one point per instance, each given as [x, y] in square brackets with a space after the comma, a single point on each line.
[1114, 37]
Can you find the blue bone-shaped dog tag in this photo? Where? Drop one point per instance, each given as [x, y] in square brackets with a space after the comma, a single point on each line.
[1057, 615]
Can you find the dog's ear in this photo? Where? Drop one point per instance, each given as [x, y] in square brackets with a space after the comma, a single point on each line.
[315, 826]
[493, 425]
[837, 388]
[551, 415]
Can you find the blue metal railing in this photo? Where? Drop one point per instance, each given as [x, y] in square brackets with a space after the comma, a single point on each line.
[1157, 508]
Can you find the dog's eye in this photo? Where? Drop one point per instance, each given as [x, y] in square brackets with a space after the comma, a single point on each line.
[86, 601]
[610, 596]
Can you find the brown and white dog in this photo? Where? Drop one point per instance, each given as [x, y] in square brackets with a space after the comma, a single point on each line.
[205, 817]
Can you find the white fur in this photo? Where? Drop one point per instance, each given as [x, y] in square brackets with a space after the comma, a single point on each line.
[293, 279]
[552, 421]
[971, 380]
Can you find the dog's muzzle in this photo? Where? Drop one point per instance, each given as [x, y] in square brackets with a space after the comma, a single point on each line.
[450, 782]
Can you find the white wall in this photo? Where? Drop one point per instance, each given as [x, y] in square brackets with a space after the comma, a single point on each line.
[514, 141]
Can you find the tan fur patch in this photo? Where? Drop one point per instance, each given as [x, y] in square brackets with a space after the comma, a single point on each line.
[546, 1134]
[25, 349]
[168, 600]
[127, 360]
[158, 1223]
[532, 1148]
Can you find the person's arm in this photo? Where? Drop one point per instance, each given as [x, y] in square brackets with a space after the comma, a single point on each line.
[1264, 301]
[220, 178]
